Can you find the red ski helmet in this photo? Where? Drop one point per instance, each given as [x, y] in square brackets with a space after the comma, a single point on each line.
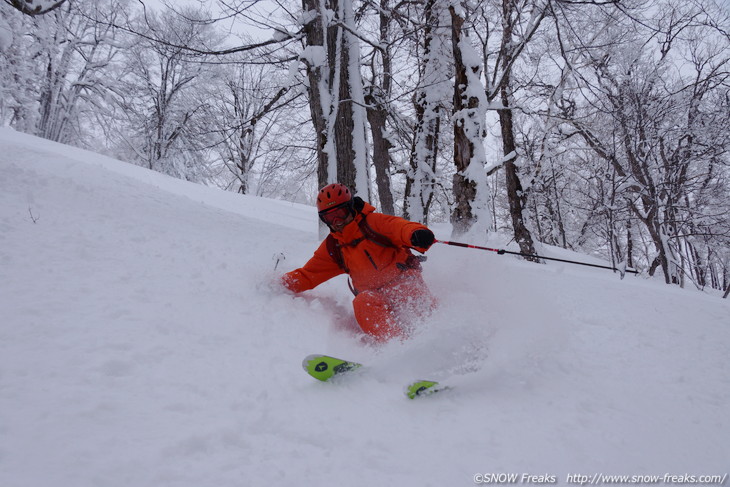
[333, 195]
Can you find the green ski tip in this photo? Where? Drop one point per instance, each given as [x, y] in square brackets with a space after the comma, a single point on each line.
[422, 388]
[324, 367]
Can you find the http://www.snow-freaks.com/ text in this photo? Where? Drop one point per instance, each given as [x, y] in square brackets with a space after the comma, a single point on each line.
[600, 479]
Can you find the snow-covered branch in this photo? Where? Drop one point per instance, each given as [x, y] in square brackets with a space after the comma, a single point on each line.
[37, 7]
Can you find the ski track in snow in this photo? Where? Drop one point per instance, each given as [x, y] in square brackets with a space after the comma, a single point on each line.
[143, 343]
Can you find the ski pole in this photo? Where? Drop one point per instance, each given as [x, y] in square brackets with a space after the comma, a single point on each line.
[278, 257]
[502, 252]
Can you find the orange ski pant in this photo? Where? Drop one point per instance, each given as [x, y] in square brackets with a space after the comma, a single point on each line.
[390, 311]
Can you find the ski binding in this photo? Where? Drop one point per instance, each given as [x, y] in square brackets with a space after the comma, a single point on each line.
[422, 388]
[324, 367]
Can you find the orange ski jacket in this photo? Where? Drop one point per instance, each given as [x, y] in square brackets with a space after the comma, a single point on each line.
[371, 265]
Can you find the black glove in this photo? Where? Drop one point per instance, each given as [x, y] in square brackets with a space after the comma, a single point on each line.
[422, 238]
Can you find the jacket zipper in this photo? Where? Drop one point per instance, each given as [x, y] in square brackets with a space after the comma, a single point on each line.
[371, 259]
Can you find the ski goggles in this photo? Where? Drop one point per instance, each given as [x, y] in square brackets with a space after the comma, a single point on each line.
[337, 214]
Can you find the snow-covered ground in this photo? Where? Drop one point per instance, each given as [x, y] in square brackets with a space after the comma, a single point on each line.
[142, 344]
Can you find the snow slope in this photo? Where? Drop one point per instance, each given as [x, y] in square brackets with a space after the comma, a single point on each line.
[143, 344]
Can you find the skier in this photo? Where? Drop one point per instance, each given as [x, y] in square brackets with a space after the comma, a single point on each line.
[374, 249]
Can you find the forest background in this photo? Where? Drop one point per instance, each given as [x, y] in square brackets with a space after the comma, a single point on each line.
[597, 126]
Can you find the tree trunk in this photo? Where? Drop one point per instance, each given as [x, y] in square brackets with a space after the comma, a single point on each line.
[629, 245]
[317, 75]
[377, 117]
[345, 126]
[464, 189]
[376, 100]
[331, 95]
[515, 193]
[471, 192]
[428, 102]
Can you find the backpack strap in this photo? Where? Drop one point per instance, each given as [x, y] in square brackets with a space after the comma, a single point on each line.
[412, 261]
[374, 236]
[333, 248]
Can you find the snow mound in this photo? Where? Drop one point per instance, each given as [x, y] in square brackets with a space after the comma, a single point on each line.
[142, 343]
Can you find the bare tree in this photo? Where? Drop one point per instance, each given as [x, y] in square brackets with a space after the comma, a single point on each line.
[157, 96]
[519, 25]
[246, 113]
[662, 131]
[79, 44]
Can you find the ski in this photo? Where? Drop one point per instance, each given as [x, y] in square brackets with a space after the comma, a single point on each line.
[324, 367]
[423, 388]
